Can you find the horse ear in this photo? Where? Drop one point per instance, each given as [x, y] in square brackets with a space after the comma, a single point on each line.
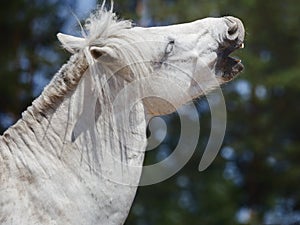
[104, 54]
[71, 43]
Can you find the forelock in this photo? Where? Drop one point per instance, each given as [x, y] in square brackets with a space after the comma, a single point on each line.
[103, 25]
[104, 28]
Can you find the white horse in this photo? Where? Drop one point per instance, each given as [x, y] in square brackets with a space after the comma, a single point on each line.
[76, 155]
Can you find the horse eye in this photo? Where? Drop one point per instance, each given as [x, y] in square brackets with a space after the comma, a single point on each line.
[170, 47]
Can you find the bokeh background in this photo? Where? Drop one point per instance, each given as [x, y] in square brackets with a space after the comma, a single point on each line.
[255, 179]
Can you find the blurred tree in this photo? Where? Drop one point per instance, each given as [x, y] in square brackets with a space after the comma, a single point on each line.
[29, 53]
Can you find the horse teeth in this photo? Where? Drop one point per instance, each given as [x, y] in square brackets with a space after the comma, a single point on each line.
[235, 59]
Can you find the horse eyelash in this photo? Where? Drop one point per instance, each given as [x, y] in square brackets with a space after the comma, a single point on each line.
[167, 53]
[171, 46]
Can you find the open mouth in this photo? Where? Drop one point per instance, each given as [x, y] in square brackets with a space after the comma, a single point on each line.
[228, 67]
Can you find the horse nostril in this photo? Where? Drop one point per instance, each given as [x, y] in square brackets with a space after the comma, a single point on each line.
[233, 29]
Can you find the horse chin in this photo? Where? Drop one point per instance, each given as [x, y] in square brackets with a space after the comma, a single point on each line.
[228, 67]
[232, 68]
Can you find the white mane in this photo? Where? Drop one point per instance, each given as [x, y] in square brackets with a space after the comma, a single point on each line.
[104, 29]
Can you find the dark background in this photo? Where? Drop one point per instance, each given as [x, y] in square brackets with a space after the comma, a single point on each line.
[255, 179]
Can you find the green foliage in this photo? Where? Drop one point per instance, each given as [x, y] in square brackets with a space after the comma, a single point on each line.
[28, 54]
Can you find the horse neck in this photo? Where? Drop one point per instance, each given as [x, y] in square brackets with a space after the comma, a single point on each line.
[35, 132]
[68, 152]
[64, 124]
